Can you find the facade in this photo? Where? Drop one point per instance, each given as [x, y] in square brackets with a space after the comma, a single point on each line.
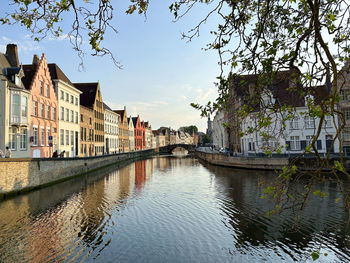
[143, 132]
[91, 98]
[68, 98]
[148, 135]
[87, 132]
[14, 105]
[220, 134]
[43, 108]
[247, 89]
[159, 138]
[173, 135]
[343, 105]
[166, 133]
[131, 135]
[123, 130]
[138, 133]
[297, 135]
[111, 130]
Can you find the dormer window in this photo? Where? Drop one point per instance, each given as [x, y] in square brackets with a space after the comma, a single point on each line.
[17, 80]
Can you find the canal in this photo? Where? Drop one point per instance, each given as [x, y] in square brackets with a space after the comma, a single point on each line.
[168, 209]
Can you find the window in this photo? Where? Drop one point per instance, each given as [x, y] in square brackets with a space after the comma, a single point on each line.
[53, 113]
[76, 117]
[309, 139]
[71, 137]
[42, 135]
[344, 94]
[295, 143]
[67, 97]
[71, 99]
[62, 136]
[76, 101]
[346, 135]
[81, 118]
[12, 138]
[72, 116]
[90, 119]
[35, 136]
[24, 106]
[23, 139]
[309, 122]
[47, 90]
[67, 137]
[35, 108]
[48, 133]
[67, 114]
[41, 110]
[294, 124]
[15, 107]
[48, 112]
[347, 114]
[62, 95]
[62, 113]
[41, 88]
[82, 133]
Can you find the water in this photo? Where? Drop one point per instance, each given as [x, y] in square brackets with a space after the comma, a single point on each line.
[167, 209]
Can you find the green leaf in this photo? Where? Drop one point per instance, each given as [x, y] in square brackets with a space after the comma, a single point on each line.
[315, 255]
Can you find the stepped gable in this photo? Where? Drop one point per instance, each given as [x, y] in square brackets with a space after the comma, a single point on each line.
[88, 95]
[57, 73]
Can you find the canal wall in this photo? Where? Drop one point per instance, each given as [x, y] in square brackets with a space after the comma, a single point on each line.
[19, 175]
[266, 163]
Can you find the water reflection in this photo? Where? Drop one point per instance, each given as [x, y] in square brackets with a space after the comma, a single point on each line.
[167, 209]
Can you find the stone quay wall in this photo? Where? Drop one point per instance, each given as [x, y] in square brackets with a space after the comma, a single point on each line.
[243, 162]
[24, 174]
[266, 163]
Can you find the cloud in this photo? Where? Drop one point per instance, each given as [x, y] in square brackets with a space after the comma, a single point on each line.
[60, 38]
[27, 46]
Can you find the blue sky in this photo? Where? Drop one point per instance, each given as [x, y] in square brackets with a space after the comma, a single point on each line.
[162, 74]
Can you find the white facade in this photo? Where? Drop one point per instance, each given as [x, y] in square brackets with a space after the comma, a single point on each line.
[111, 131]
[219, 133]
[131, 135]
[148, 137]
[14, 115]
[68, 98]
[293, 139]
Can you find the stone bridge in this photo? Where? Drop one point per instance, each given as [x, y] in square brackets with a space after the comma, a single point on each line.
[169, 148]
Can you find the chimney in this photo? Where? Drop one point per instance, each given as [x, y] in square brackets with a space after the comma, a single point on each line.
[36, 60]
[12, 55]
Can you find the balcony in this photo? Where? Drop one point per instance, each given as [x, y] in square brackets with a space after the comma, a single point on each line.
[18, 121]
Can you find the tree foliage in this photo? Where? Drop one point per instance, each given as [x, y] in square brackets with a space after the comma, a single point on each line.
[189, 129]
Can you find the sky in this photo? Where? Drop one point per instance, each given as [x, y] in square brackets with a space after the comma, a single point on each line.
[162, 74]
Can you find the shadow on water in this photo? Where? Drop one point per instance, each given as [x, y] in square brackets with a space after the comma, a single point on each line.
[323, 223]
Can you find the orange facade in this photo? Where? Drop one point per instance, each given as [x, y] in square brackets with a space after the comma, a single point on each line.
[42, 108]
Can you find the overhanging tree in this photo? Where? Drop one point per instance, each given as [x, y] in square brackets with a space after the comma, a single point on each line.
[310, 37]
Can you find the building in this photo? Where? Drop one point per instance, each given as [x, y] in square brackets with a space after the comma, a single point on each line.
[173, 135]
[123, 130]
[87, 132]
[138, 133]
[246, 90]
[91, 98]
[343, 83]
[43, 108]
[219, 132]
[131, 135]
[166, 133]
[111, 130]
[148, 135]
[68, 98]
[14, 105]
[143, 132]
[210, 129]
[159, 138]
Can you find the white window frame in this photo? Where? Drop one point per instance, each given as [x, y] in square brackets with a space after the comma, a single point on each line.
[295, 143]
[42, 132]
[23, 144]
[35, 135]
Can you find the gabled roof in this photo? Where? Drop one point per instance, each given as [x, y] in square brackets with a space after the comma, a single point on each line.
[121, 113]
[134, 121]
[4, 63]
[87, 98]
[57, 73]
[29, 72]
[105, 106]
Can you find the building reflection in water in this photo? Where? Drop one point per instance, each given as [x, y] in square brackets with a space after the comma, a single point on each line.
[322, 222]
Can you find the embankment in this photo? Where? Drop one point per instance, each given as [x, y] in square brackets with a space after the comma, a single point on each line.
[21, 175]
[267, 163]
